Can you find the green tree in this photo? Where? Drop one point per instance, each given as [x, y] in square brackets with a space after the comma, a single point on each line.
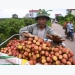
[59, 18]
[14, 16]
[69, 17]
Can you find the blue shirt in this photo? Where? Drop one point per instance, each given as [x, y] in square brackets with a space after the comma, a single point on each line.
[69, 26]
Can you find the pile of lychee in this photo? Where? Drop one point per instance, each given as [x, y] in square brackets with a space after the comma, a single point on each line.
[36, 50]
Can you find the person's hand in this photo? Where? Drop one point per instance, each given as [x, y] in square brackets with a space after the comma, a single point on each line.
[33, 36]
[55, 38]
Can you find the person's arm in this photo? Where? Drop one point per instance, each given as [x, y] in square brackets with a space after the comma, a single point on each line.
[52, 32]
[27, 34]
[72, 25]
[54, 36]
[26, 31]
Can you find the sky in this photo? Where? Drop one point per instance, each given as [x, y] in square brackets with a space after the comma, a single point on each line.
[7, 13]
[22, 7]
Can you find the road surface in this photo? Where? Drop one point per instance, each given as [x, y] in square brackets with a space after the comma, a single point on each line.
[58, 28]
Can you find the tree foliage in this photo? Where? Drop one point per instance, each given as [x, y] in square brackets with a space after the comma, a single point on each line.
[59, 18]
[67, 18]
[14, 16]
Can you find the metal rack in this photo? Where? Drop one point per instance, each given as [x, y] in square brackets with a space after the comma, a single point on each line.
[9, 39]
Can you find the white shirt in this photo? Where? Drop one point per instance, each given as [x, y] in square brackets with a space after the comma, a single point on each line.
[41, 33]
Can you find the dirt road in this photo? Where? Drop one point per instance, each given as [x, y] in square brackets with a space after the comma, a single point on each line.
[67, 42]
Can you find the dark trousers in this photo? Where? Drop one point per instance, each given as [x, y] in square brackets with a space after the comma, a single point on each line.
[66, 31]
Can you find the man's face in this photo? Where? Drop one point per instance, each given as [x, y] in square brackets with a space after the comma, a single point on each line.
[42, 21]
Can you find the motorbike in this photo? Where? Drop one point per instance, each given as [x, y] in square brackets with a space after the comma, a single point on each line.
[71, 34]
